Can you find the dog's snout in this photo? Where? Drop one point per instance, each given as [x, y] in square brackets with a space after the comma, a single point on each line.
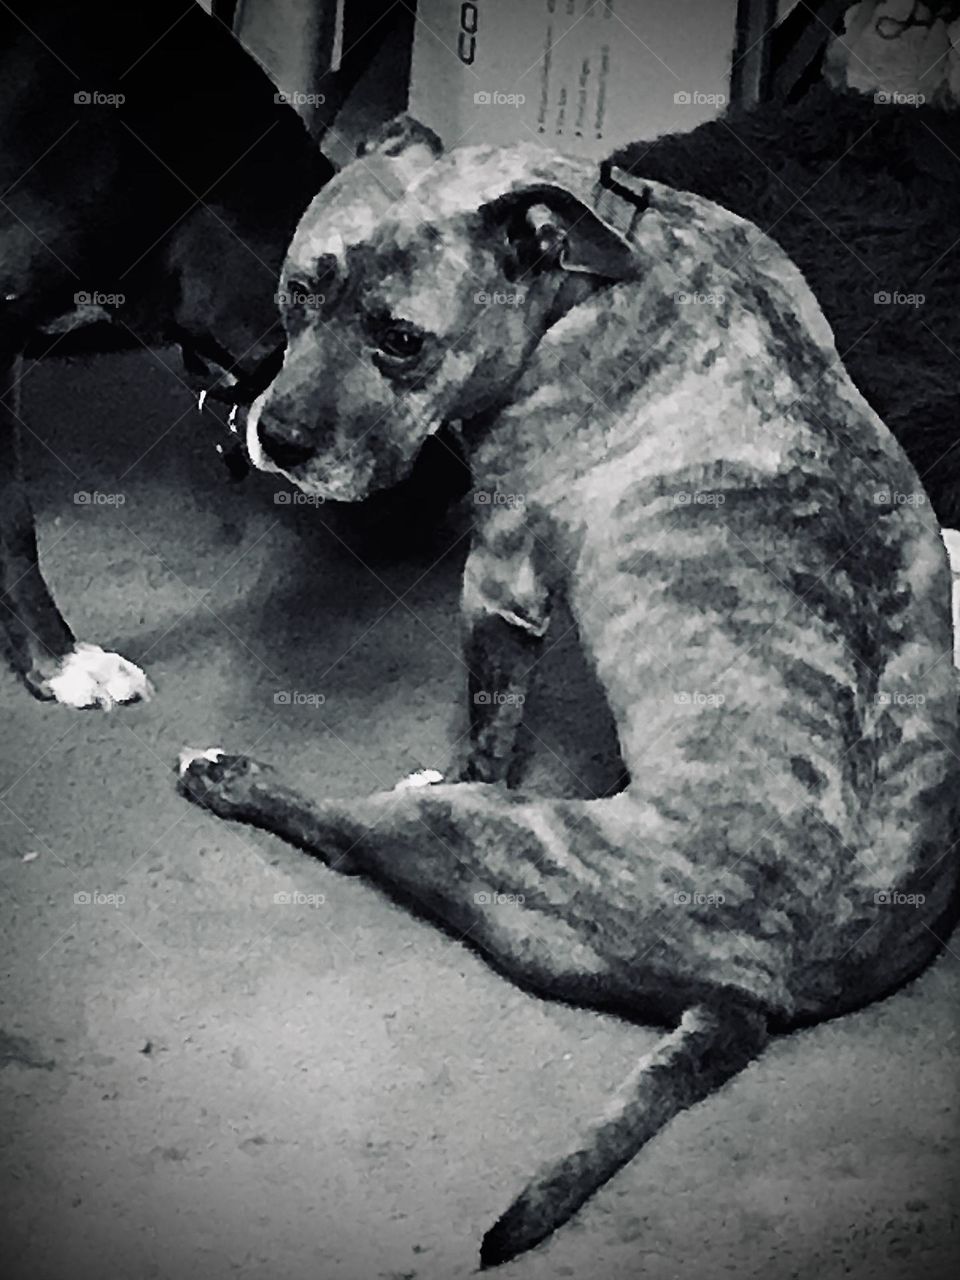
[286, 446]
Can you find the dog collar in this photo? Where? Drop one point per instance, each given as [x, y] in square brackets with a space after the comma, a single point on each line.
[620, 199]
[236, 390]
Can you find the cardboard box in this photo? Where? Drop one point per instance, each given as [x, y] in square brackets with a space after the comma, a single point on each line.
[582, 76]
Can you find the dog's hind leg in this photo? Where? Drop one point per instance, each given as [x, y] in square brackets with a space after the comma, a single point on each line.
[562, 900]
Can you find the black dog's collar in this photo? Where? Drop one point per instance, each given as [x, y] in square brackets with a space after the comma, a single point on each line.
[246, 385]
[239, 393]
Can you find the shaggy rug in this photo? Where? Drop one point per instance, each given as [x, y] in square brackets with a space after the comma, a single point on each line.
[865, 197]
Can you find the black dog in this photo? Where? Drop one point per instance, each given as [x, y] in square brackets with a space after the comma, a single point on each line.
[864, 195]
[146, 166]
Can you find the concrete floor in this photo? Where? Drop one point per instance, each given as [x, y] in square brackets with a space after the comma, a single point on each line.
[198, 1082]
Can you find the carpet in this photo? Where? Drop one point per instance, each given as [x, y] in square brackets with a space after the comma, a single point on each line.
[203, 1080]
[865, 198]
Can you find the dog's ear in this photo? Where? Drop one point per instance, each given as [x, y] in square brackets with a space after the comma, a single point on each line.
[548, 228]
[407, 146]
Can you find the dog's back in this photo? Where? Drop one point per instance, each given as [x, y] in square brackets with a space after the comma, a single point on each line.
[760, 583]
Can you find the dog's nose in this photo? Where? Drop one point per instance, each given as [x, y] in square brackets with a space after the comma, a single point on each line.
[284, 445]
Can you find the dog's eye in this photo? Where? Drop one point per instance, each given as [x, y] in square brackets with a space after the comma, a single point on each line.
[401, 340]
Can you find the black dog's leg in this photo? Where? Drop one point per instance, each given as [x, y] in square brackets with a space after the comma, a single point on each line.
[505, 608]
[37, 636]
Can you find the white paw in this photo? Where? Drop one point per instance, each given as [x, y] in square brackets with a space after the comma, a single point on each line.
[951, 540]
[189, 754]
[422, 778]
[91, 677]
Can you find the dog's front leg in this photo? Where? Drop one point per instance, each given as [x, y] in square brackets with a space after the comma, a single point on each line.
[505, 615]
[33, 634]
[37, 638]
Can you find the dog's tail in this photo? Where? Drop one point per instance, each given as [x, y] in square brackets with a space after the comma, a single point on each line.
[710, 1045]
[583, 927]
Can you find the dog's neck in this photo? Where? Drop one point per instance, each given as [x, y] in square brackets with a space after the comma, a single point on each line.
[570, 290]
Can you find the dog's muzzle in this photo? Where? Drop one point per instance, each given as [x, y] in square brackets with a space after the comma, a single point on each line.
[254, 449]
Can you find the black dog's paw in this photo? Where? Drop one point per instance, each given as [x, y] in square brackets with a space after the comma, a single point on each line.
[216, 781]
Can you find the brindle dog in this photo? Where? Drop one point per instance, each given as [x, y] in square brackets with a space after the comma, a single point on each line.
[707, 491]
